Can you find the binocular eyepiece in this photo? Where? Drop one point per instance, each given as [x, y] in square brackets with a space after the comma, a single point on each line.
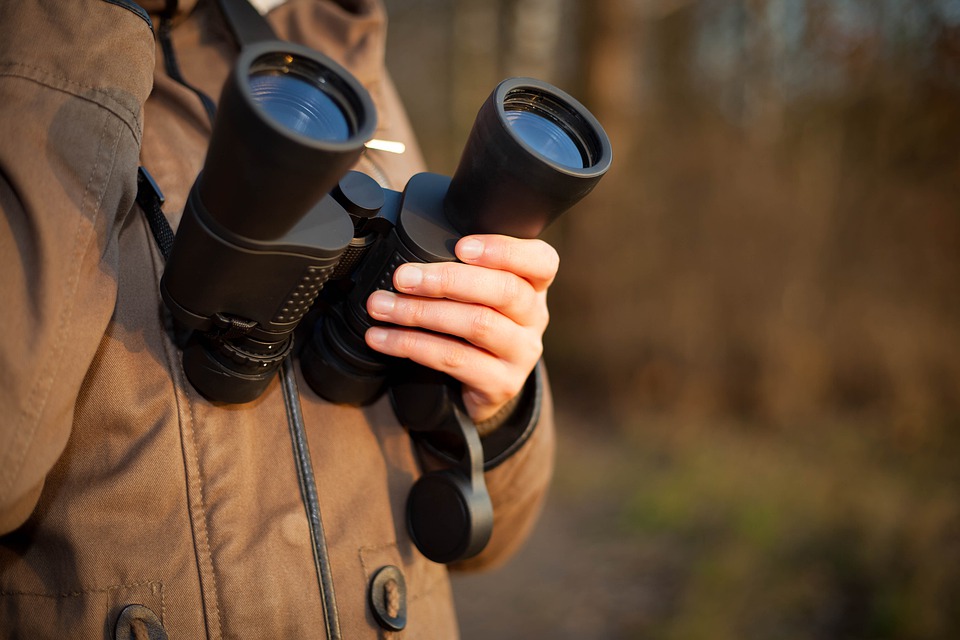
[276, 214]
[532, 154]
[254, 246]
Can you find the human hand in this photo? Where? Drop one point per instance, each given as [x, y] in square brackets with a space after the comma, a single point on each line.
[485, 316]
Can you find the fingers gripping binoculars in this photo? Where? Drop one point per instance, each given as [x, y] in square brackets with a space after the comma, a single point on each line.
[276, 220]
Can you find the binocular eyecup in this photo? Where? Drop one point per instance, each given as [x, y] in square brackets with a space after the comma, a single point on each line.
[258, 238]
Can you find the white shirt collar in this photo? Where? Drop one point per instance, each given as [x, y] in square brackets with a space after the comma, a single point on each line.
[263, 6]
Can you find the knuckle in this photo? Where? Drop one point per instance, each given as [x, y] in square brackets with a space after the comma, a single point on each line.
[405, 343]
[536, 353]
[482, 325]
[549, 264]
[506, 389]
[509, 252]
[511, 291]
[542, 320]
[417, 312]
[448, 276]
[510, 386]
[453, 357]
[533, 350]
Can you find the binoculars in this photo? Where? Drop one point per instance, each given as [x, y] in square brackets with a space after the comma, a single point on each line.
[277, 228]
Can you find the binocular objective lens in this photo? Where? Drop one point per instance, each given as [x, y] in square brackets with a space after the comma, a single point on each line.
[300, 105]
[546, 136]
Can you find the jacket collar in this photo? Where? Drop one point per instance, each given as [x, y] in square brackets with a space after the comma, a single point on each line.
[350, 31]
[183, 7]
[157, 7]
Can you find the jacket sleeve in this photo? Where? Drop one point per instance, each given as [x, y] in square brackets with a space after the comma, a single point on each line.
[73, 79]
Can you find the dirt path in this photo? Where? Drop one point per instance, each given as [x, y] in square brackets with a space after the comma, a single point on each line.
[574, 578]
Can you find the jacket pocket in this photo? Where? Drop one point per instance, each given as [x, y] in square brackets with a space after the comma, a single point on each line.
[83, 613]
[425, 597]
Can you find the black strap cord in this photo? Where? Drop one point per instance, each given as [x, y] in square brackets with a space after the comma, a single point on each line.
[173, 68]
[170, 59]
[311, 501]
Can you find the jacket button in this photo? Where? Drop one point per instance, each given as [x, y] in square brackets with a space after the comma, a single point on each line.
[138, 621]
[388, 598]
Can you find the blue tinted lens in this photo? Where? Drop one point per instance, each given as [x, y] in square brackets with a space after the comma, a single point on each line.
[547, 137]
[300, 106]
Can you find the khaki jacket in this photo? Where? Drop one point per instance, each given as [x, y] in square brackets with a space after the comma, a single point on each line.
[119, 484]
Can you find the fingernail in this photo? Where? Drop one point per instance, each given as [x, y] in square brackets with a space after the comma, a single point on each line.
[382, 302]
[376, 335]
[470, 249]
[409, 276]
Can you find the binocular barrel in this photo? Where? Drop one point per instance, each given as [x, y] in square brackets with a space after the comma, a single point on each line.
[290, 123]
[533, 153]
[258, 237]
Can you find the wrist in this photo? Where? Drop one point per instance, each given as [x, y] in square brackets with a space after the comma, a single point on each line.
[501, 436]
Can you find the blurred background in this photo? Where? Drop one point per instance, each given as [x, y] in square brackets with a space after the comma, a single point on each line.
[755, 344]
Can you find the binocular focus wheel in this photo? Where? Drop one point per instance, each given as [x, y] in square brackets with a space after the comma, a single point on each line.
[225, 372]
[447, 519]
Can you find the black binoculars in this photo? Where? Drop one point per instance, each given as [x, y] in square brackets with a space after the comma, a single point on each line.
[278, 228]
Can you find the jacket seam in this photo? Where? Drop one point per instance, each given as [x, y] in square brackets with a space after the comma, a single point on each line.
[133, 8]
[203, 513]
[82, 592]
[129, 117]
[114, 587]
[205, 569]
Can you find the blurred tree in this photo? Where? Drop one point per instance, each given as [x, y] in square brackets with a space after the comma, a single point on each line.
[779, 218]
[759, 307]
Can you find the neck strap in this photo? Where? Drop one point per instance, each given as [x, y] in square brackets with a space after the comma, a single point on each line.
[245, 22]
